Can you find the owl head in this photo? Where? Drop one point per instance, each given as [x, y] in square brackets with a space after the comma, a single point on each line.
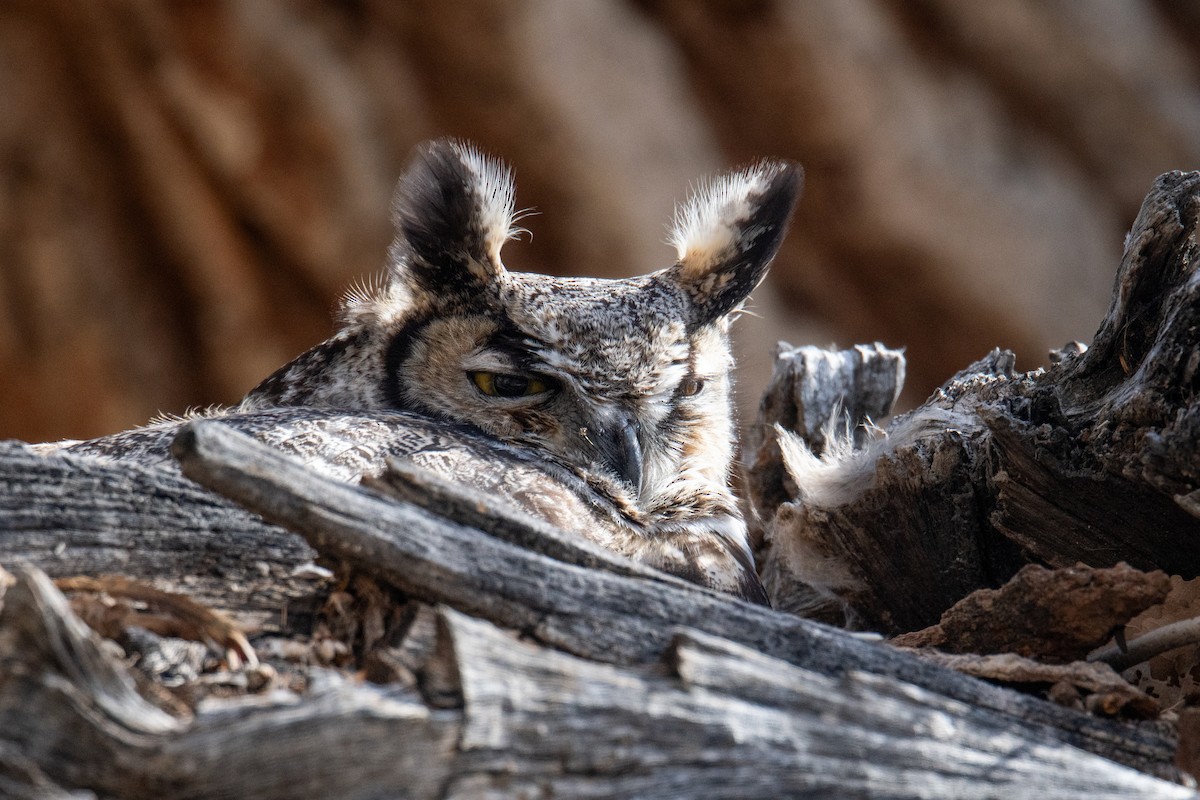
[627, 379]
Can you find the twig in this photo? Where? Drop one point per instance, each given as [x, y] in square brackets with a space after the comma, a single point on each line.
[1146, 647]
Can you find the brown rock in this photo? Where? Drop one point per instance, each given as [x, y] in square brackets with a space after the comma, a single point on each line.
[1054, 615]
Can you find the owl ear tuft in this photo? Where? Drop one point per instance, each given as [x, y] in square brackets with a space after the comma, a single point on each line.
[453, 211]
[728, 232]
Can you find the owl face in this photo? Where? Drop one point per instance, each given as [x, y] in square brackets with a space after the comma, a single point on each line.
[626, 380]
[602, 374]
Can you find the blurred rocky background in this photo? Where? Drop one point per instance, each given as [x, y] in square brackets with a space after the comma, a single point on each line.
[186, 188]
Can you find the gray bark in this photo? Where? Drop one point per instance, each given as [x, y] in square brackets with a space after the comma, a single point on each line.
[713, 720]
[613, 620]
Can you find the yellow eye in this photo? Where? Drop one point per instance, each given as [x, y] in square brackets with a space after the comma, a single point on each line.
[507, 384]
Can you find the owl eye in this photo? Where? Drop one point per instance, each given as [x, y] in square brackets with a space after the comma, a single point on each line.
[507, 384]
[691, 387]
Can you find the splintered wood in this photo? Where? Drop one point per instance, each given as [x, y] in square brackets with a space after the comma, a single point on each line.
[1094, 460]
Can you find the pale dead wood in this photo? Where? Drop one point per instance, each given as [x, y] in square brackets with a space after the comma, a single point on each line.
[78, 516]
[616, 616]
[718, 721]
[71, 707]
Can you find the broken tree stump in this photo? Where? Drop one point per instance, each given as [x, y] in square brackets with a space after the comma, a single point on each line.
[1094, 460]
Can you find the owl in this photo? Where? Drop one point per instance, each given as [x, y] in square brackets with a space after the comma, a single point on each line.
[600, 405]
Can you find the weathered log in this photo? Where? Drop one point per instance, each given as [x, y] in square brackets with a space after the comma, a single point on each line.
[601, 614]
[818, 395]
[1094, 460]
[79, 516]
[70, 706]
[715, 720]
[613, 612]
[730, 722]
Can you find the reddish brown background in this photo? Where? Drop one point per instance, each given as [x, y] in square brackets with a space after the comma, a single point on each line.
[187, 188]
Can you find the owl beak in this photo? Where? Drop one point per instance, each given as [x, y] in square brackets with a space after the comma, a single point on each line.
[621, 451]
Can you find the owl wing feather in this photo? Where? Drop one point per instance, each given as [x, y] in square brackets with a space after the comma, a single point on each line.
[351, 445]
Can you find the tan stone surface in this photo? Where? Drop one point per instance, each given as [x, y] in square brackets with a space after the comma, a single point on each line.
[186, 188]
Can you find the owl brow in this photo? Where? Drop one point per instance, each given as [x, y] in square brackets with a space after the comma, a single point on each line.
[519, 347]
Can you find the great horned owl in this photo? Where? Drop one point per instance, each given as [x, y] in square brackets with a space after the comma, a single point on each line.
[601, 405]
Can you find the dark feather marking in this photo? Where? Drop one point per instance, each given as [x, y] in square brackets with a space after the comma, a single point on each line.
[398, 351]
[749, 586]
[518, 346]
[436, 213]
[758, 240]
[679, 417]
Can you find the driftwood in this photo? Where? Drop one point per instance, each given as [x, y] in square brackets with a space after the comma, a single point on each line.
[1094, 460]
[505, 658]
